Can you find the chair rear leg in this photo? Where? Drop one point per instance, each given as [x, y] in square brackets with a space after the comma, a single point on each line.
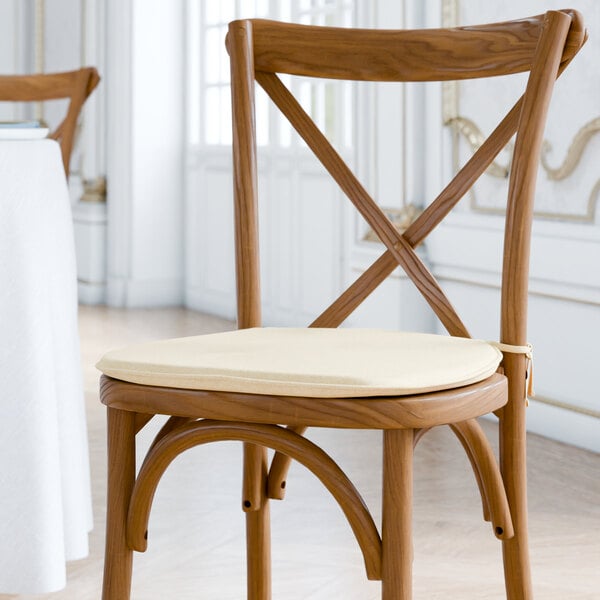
[396, 529]
[513, 464]
[121, 477]
[258, 528]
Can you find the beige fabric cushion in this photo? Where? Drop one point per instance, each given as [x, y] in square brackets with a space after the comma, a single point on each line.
[329, 363]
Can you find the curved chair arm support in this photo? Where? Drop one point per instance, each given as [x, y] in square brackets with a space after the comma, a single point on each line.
[141, 420]
[419, 433]
[487, 474]
[278, 438]
[171, 424]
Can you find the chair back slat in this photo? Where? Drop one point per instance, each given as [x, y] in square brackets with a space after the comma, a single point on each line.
[432, 215]
[466, 177]
[543, 45]
[367, 207]
[341, 308]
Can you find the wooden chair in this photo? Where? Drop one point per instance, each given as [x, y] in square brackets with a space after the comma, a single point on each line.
[246, 385]
[74, 85]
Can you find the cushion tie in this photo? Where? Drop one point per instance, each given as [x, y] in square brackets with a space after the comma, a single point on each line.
[527, 350]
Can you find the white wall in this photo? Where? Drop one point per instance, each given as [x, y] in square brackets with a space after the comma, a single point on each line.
[145, 76]
[15, 47]
[10, 56]
[59, 35]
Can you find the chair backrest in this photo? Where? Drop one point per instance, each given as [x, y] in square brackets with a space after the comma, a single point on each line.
[542, 45]
[74, 85]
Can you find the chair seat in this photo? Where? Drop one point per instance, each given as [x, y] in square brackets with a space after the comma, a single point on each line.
[319, 363]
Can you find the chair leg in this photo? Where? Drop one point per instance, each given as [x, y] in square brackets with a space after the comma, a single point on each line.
[396, 529]
[258, 547]
[258, 527]
[121, 477]
[513, 457]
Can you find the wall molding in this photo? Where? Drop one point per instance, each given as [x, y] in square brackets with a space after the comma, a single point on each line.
[465, 253]
[556, 269]
[567, 426]
[588, 412]
[466, 128]
[119, 165]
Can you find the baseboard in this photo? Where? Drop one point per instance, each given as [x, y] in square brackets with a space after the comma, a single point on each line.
[215, 303]
[151, 293]
[91, 293]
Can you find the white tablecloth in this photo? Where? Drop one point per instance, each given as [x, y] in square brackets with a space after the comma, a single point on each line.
[45, 501]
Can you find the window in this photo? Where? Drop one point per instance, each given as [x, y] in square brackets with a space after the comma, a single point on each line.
[330, 104]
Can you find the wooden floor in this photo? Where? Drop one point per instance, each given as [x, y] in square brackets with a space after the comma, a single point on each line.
[196, 547]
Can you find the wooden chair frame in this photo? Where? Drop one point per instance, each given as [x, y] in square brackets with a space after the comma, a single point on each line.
[543, 45]
[74, 85]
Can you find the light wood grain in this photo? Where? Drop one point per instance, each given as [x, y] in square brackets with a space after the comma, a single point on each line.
[487, 474]
[245, 176]
[196, 433]
[396, 521]
[279, 469]
[424, 410]
[121, 478]
[254, 498]
[431, 55]
[519, 216]
[255, 503]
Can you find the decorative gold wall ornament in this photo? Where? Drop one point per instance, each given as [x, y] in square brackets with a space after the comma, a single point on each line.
[468, 129]
[401, 219]
[574, 153]
[94, 190]
[475, 138]
[449, 13]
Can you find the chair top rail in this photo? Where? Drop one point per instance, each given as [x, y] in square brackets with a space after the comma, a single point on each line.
[406, 55]
[46, 86]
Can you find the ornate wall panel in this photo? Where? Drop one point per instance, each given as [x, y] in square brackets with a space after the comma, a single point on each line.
[465, 252]
[569, 181]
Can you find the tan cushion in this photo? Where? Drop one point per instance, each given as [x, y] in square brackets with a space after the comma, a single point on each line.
[329, 363]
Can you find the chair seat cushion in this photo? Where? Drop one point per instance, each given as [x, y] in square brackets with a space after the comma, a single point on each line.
[324, 363]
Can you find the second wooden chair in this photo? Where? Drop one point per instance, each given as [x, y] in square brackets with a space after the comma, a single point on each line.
[76, 86]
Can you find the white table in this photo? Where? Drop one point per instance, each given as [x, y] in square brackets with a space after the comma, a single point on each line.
[45, 501]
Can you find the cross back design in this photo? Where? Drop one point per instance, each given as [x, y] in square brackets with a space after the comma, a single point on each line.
[277, 54]
[400, 246]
